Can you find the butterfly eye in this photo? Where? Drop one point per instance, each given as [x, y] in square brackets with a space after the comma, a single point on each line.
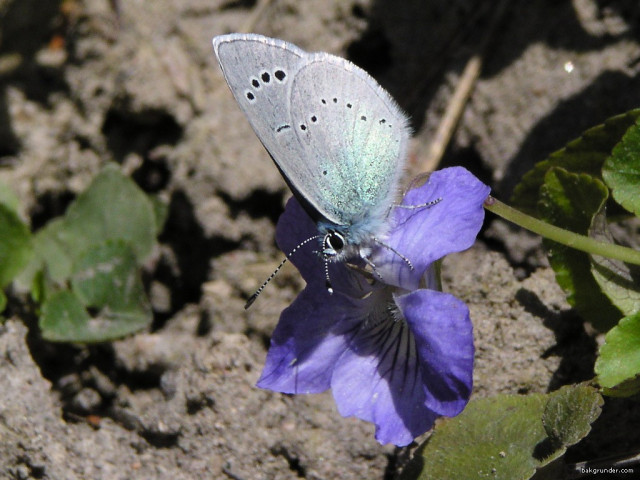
[333, 243]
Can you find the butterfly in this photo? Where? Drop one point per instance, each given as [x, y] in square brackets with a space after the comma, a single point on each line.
[337, 137]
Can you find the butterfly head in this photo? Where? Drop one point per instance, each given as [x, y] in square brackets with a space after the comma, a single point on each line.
[339, 245]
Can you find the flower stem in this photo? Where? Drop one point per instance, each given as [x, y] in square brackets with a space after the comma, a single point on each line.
[560, 235]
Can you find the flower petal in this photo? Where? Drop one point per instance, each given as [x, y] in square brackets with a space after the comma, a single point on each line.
[294, 227]
[399, 374]
[308, 341]
[378, 379]
[443, 333]
[424, 235]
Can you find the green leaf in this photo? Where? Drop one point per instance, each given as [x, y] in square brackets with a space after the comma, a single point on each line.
[586, 154]
[161, 212]
[107, 276]
[571, 201]
[621, 171]
[63, 316]
[618, 365]
[51, 254]
[8, 198]
[3, 302]
[113, 207]
[569, 414]
[38, 287]
[106, 280]
[50, 266]
[16, 247]
[618, 281]
[506, 437]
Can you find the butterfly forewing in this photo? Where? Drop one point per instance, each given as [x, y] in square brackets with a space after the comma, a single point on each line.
[259, 72]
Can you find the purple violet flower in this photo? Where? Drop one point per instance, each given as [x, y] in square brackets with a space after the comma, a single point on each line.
[397, 353]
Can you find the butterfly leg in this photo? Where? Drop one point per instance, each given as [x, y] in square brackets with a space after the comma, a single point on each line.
[389, 247]
[372, 265]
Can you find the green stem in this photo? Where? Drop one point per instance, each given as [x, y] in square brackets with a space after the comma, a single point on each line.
[560, 235]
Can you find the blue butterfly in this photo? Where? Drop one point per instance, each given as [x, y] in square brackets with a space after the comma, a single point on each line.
[338, 138]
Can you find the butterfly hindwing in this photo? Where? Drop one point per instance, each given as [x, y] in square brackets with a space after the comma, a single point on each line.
[354, 135]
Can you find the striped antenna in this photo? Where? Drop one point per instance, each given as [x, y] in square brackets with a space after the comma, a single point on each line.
[327, 282]
[253, 297]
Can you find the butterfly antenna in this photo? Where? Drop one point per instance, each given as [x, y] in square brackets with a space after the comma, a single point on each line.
[253, 297]
[389, 247]
[326, 275]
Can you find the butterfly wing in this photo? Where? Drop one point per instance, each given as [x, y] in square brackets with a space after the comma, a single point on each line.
[259, 71]
[337, 137]
[354, 134]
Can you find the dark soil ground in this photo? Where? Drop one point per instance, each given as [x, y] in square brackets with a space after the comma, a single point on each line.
[86, 82]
